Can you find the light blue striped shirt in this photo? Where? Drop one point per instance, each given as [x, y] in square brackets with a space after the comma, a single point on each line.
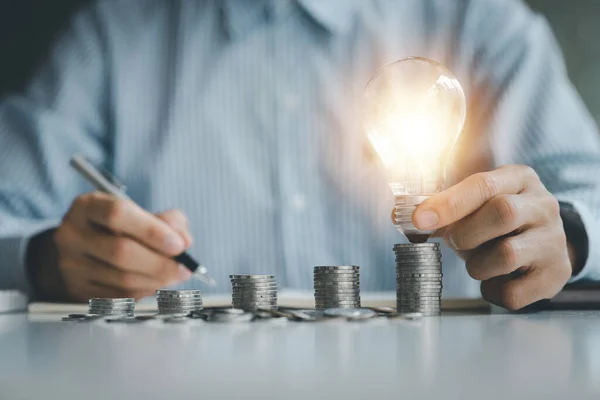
[246, 115]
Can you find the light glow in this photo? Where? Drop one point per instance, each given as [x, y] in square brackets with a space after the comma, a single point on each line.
[414, 112]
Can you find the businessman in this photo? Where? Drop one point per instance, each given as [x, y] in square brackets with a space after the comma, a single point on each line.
[245, 117]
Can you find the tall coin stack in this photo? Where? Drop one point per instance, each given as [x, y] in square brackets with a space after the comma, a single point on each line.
[107, 306]
[419, 278]
[178, 302]
[251, 292]
[337, 286]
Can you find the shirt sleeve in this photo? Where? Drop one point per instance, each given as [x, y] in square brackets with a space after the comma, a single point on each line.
[60, 113]
[532, 112]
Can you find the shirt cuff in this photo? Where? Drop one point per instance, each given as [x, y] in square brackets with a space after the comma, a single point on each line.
[13, 256]
[590, 270]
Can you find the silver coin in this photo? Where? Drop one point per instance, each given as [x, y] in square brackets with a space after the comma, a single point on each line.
[419, 283]
[252, 284]
[417, 254]
[255, 289]
[350, 313]
[177, 292]
[349, 292]
[254, 299]
[110, 309]
[423, 313]
[180, 299]
[111, 313]
[181, 306]
[180, 309]
[420, 249]
[98, 300]
[177, 296]
[405, 292]
[254, 292]
[254, 303]
[254, 307]
[423, 302]
[250, 276]
[424, 261]
[171, 305]
[231, 317]
[416, 282]
[338, 296]
[417, 296]
[122, 305]
[181, 296]
[341, 302]
[336, 267]
[418, 275]
[336, 271]
[336, 276]
[332, 282]
[418, 306]
[197, 303]
[336, 283]
[326, 306]
[419, 270]
[415, 245]
[418, 260]
[401, 260]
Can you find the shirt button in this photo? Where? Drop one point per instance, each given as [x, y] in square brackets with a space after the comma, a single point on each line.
[298, 202]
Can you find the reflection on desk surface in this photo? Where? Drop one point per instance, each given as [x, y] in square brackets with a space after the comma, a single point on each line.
[542, 355]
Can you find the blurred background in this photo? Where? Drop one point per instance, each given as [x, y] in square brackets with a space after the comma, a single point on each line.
[27, 28]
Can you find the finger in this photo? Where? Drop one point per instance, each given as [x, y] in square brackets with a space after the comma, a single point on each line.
[506, 255]
[514, 293]
[124, 217]
[80, 288]
[124, 254]
[177, 220]
[124, 280]
[498, 217]
[466, 197]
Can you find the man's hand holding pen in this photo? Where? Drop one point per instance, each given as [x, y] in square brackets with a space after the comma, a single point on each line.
[110, 247]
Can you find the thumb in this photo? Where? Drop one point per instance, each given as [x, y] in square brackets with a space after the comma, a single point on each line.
[177, 220]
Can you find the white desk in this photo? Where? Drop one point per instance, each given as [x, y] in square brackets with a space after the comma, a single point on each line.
[487, 357]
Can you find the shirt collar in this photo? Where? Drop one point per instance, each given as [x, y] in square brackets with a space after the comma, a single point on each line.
[239, 16]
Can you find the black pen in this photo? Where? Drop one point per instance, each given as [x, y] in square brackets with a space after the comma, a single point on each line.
[108, 185]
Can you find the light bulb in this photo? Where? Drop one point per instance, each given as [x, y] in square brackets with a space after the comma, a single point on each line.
[414, 111]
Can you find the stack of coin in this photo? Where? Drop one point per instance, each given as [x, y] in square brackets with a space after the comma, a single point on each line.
[418, 278]
[106, 306]
[337, 286]
[178, 301]
[251, 292]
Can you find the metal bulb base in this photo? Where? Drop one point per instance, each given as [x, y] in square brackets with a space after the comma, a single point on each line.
[403, 212]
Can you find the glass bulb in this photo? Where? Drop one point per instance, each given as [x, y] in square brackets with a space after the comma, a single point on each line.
[414, 112]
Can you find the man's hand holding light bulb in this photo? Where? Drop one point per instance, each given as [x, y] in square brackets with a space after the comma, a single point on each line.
[504, 223]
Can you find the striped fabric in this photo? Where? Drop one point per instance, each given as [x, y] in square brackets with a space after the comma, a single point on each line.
[246, 115]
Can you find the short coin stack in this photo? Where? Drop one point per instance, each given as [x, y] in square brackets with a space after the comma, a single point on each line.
[178, 301]
[418, 278]
[337, 286]
[107, 306]
[251, 292]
